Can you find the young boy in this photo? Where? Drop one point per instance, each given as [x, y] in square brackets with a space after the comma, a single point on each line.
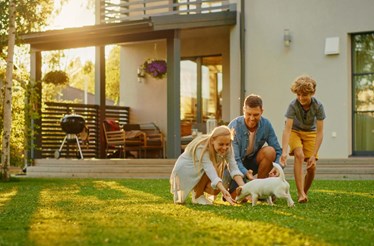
[303, 132]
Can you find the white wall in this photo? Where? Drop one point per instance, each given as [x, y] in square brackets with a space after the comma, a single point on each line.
[147, 100]
[235, 68]
[271, 67]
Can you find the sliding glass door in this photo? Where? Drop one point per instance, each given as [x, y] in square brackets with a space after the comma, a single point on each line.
[201, 90]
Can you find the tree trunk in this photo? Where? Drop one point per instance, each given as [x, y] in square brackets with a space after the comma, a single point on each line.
[7, 103]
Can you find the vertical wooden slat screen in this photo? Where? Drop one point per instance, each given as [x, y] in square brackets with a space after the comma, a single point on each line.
[52, 134]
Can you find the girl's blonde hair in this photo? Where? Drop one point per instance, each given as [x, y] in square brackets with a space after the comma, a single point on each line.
[206, 141]
[304, 84]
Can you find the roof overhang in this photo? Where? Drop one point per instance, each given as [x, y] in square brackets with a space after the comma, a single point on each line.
[156, 27]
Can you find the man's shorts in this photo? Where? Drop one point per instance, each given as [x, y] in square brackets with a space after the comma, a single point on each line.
[304, 140]
[251, 163]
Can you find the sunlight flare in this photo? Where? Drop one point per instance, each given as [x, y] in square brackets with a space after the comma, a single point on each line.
[7, 196]
[350, 193]
[51, 222]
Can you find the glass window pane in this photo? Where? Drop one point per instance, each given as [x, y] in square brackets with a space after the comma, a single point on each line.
[363, 93]
[188, 90]
[363, 53]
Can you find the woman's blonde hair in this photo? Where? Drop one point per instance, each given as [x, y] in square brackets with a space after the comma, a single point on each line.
[304, 84]
[206, 141]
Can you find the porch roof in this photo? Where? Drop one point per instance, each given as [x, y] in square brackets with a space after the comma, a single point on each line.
[155, 27]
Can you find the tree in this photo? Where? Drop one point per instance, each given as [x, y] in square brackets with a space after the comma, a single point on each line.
[112, 74]
[7, 100]
[17, 17]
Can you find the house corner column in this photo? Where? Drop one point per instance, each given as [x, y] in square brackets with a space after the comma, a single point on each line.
[35, 142]
[100, 95]
[173, 144]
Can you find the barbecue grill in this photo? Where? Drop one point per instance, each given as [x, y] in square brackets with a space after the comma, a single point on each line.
[72, 125]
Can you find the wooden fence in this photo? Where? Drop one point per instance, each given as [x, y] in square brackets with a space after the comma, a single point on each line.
[52, 134]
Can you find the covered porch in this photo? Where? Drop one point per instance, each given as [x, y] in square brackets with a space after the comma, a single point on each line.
[172, 28]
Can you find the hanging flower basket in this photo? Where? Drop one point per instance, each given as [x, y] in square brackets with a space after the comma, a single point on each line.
[156, 68]
[56, 77]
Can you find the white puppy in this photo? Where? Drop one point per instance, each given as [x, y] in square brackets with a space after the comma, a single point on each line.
[265, 188]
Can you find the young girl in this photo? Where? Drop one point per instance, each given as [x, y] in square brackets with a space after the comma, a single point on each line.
[303, 132]
[200, 168]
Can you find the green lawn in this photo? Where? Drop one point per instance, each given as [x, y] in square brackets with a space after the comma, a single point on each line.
[141, 212]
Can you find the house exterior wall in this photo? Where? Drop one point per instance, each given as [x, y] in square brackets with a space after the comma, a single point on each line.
[271, 67]
[147, 99]
[235, 68]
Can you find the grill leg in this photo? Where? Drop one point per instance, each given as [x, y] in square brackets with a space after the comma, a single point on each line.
[79, 147]
[62, 143]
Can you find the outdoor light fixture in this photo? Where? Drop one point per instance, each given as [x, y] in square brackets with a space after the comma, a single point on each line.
[287, 37]
[141, 75]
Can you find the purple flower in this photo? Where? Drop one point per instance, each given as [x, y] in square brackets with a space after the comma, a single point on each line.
[155, 68]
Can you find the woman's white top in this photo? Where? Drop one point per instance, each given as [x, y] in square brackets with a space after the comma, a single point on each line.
[186, 175]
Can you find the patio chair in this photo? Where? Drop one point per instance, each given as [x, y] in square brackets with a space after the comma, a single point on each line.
[114, 140]
[154, 141]
[135, 138]
[118, 139]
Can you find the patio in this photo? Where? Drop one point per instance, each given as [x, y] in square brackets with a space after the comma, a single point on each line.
[327, 169]
[51, 134]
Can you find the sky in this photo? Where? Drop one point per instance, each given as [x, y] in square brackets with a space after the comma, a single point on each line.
[74, 14]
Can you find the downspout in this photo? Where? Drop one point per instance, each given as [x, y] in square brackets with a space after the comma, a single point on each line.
[242, 54]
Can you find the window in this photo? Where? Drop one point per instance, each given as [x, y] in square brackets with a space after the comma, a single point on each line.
[363, 93]
[201, 89]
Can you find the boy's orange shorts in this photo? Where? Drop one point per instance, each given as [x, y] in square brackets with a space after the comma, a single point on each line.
[304, 140]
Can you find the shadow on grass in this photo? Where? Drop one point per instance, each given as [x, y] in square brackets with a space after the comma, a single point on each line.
[237, 223]
[141, 212]
[17, 211]
[338, 212]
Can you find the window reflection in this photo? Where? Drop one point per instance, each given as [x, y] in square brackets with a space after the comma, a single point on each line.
[201, 91]
[363, 93]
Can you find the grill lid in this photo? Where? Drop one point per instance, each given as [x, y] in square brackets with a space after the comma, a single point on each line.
[72, 124]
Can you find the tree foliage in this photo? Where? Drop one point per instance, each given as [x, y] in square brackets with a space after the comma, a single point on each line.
[112, 74]
[31, 16]
[16, 17]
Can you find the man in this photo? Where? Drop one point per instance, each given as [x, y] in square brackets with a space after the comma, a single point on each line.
[252, 131]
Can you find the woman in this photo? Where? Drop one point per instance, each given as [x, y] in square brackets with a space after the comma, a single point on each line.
[200, 168]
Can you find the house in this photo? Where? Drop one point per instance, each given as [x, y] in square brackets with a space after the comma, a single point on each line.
[217, 52]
